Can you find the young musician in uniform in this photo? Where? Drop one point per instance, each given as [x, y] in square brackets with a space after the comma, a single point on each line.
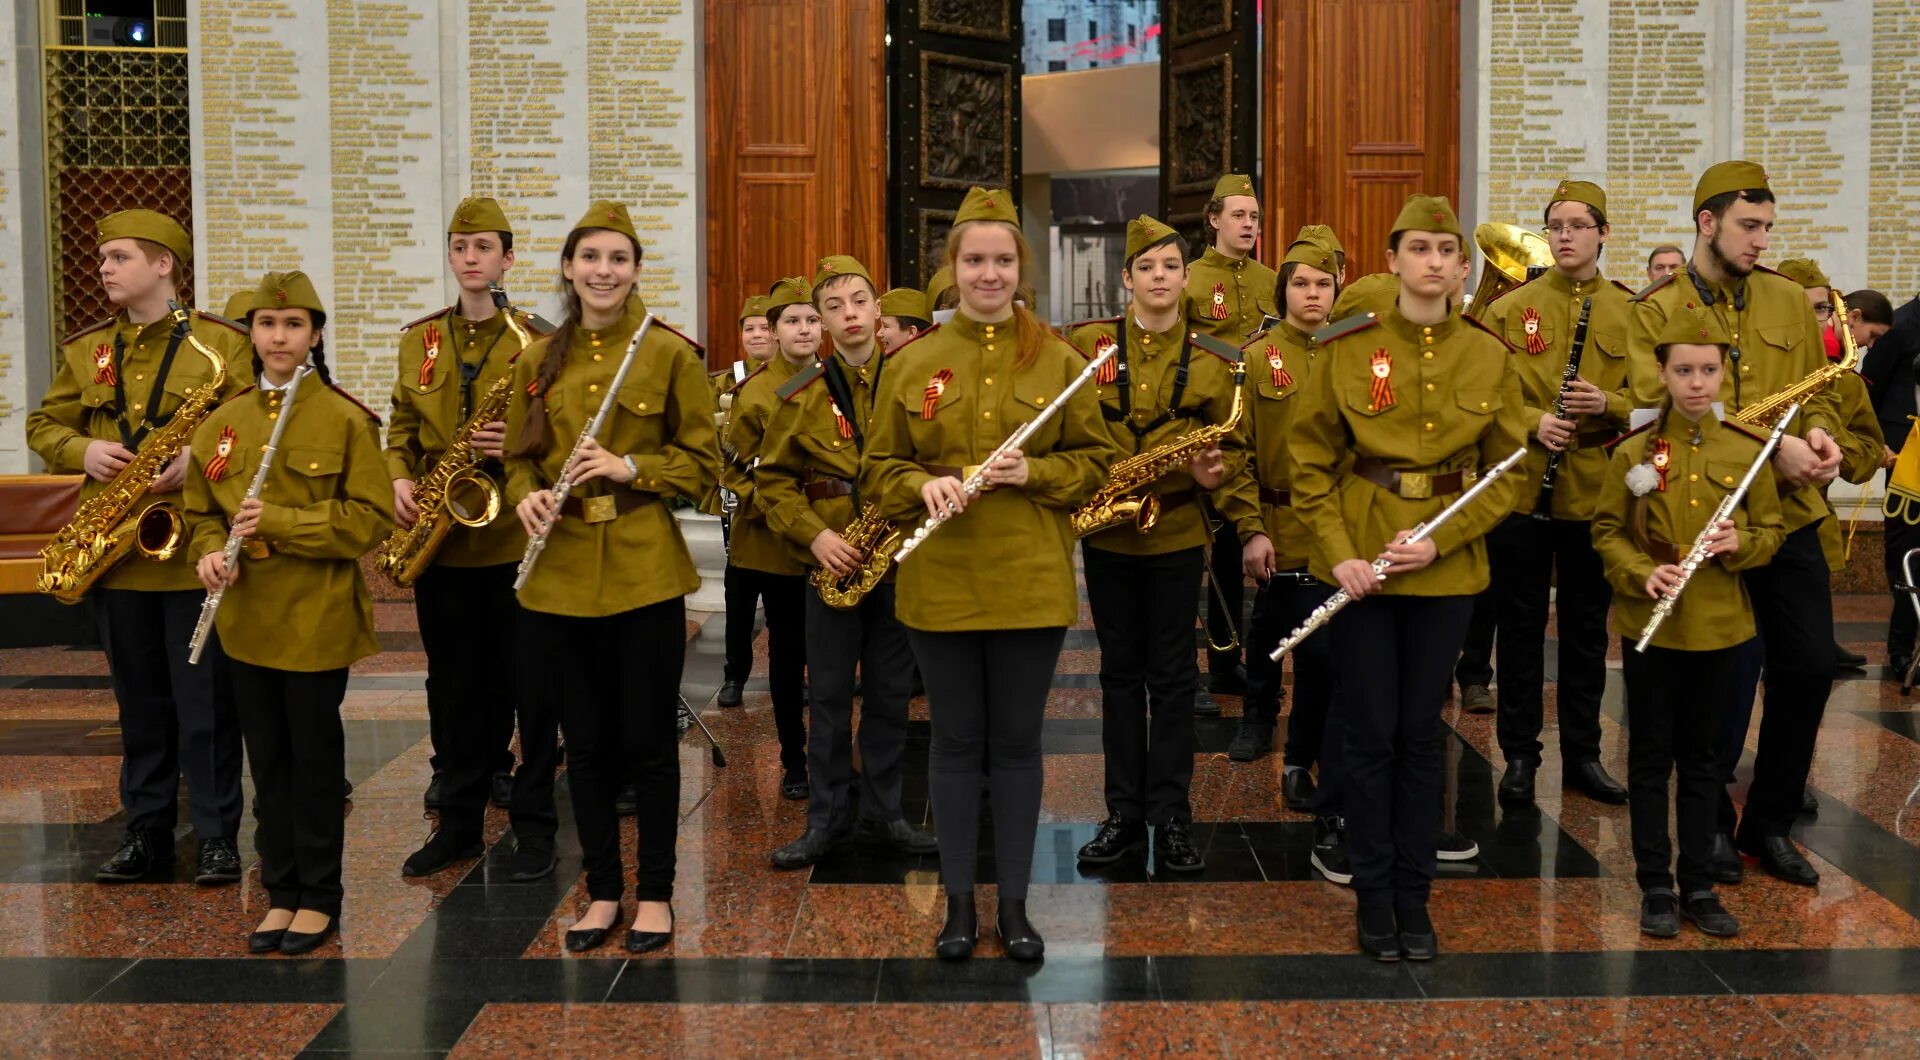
[759, 561]
[1545, 550]
[449, 361]
[743, 590]
[116, 384]
[606, 607]
[806, 481]
[1160, 386]
[1774, 344]
[1664, 483]
[1231, 297]
[903, 316]
[1405, 408]
[296, 611]
[987, 600]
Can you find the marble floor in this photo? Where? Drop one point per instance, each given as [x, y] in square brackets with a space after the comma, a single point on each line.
[1253, 956]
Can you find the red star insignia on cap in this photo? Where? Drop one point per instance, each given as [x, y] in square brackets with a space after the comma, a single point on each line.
[1704, 333]
[463, 219]
[281, 294]
[613, 215]
[989, 204]
[826, 266]
[1439, 218]
[1247, 186]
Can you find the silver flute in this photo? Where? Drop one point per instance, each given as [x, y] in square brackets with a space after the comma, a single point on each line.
[1698, 555]
[1325, 612]
[538, 542]
[977, 481]
[211, 605]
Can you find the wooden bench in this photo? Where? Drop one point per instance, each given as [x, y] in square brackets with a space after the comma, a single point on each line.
[32, 509]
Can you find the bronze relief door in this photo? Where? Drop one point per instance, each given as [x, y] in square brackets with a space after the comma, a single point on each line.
[1209, 105]
[953, 92]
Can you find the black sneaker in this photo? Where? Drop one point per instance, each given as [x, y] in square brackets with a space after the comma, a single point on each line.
[1174, 850]
[1116, 837]
[140, 853]
[219, 862]
[1455, 847]
[501, 792]
[1704, 911]
[440, 851]
[1329, 855]
[1252, 742]
[1659, 914]
[533, 859]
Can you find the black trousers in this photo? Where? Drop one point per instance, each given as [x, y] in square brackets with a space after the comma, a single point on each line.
[1904, 625]
[986, 701]
[1279, 607]
[470, 625]
[1793, 606]
[1144, 610]
[177, 720]
[1475, 666]
[872, 638]
[1224, 609]
[1673, 717]
[785, 596]
[297, 749]
[1531, 558]
[617, 679]
[1394, 654]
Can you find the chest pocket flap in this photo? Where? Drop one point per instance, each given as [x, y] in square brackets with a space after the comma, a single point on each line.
[644, 399]
[1480, 401]
[314, 461]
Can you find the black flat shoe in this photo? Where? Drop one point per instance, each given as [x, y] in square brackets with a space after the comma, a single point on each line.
[440, 851]
[1516, 784]
[1723, 863]
[293, 943]
[219, 862]
[1379, 936]
[1592, 780]
[1297, 790]
[639, 941]
[955, 941]
[140, 853]
[1229, 680]
[1781, 859]
[732, 694]
[793, 786]
[265, 941]
[1022, 941]
[589, 939]
[1116, 837]
[1848, 660]
[1417, 939]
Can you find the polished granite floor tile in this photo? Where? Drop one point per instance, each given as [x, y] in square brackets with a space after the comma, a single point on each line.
[772, 1030]
[219, 1030]
[1830, 1025]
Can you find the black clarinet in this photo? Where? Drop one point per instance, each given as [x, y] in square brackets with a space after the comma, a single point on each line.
[1543, 508]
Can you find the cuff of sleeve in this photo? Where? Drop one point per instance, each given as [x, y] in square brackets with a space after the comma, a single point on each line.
[648, 468]
[1811, 421]
[399, 466]
[275, 521]
[1447, 540]
[74, 454]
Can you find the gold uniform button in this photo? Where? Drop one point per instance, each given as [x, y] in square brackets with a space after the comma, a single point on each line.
[643, 406]
[1693, 478]
[596, 356]
[1429, 386]
[1728, 480]
[988, 381]
[273, 415]
[593, 388]
[136, 407]
[1428, 355]
[313, 467]
[1040, 401]
[1428, 339]
[1429, 425]
[987, 415]
[1146, 340]
[1693, 502]
[1483, 404]
[1143, 386]
[138, 376]
[1426, 331]
[989, 347]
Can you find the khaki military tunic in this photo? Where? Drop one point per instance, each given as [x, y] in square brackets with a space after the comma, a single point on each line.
[1229, 299]
[1862, 444]
[1150, 384]
[753, 544]
[1714, 612]
[1456, 406]
[1779, 340]
[1006, 562]
[81, 407]
[806, 446]
[663, 418]
[300, 602]
[428, 408]
[1259, 499]
[1375, 292]
[1538, 319]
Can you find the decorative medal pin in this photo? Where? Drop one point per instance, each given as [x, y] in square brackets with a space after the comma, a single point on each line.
[1536, 343]
[1219, 309]
[1380, 395]
[1281, 377]
[1109, 370]
[103, 372]
[1662, 461]
[216, 468]
[840, 421]
[433, 355]
[936, 386]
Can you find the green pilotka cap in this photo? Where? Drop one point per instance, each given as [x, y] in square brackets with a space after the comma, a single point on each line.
[1723, 177]
[1803, 271]
[1234, 184]
[836, 265]
[286, 290]
[755, 306]
[1145, 233]
[904, 302]
[987, 204]
[1581, 191]
[150, 225]
[611, 216]
[794, 290]
[1691, 324]
[1426, 213]
[478, 214]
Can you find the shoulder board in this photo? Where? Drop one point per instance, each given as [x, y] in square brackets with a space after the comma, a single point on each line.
[250, 388]
[1647, 291]
[800, 380]
[1339, 328]
[683, 336]
[214, 318]
[1758, 434]
[1776, 272]
[915, 339]
[1078, 324]
[335, 387]
[1496, 336]
[1630, 291]
[88, 330]
[435, 315]
[1226, 351]
[719, 372]
[538, 324]
[750, 377]
[1642, 429]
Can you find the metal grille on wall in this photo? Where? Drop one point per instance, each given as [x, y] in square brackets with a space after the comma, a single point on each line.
[117, 138]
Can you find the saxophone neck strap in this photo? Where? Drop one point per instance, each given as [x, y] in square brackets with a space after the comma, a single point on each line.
[1124, 379]
[132, 436]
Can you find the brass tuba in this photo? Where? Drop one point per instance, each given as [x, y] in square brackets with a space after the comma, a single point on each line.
[1513, 256]
[113, 523]
[454, 489]
[877, 540]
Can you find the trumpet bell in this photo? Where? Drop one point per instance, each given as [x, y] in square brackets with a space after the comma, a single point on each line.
[473, 499]
[1512, 256]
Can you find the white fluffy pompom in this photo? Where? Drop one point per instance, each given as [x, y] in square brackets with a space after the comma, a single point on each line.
[1641, 479]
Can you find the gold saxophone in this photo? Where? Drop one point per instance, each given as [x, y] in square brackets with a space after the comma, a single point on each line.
[1128, 495]
[106, 528]
[1763, 414]
[877, 539]
[454, 489]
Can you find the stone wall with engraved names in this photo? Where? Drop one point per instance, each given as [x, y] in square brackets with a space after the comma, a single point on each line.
[15, 401]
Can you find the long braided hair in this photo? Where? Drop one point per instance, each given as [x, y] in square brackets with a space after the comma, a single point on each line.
[536, 431]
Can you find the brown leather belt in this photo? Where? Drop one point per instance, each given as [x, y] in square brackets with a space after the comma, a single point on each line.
[1177, 499]
[819, 489]
[1276, 498]
[1413, 485]
[607, 506]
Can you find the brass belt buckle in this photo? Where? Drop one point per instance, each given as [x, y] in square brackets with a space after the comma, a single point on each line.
[969, 471]
[1468, 476]
[1416, 485]
[599, 509]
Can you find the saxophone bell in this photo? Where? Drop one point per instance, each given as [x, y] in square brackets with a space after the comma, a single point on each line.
[472, 498]
[158, 531]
